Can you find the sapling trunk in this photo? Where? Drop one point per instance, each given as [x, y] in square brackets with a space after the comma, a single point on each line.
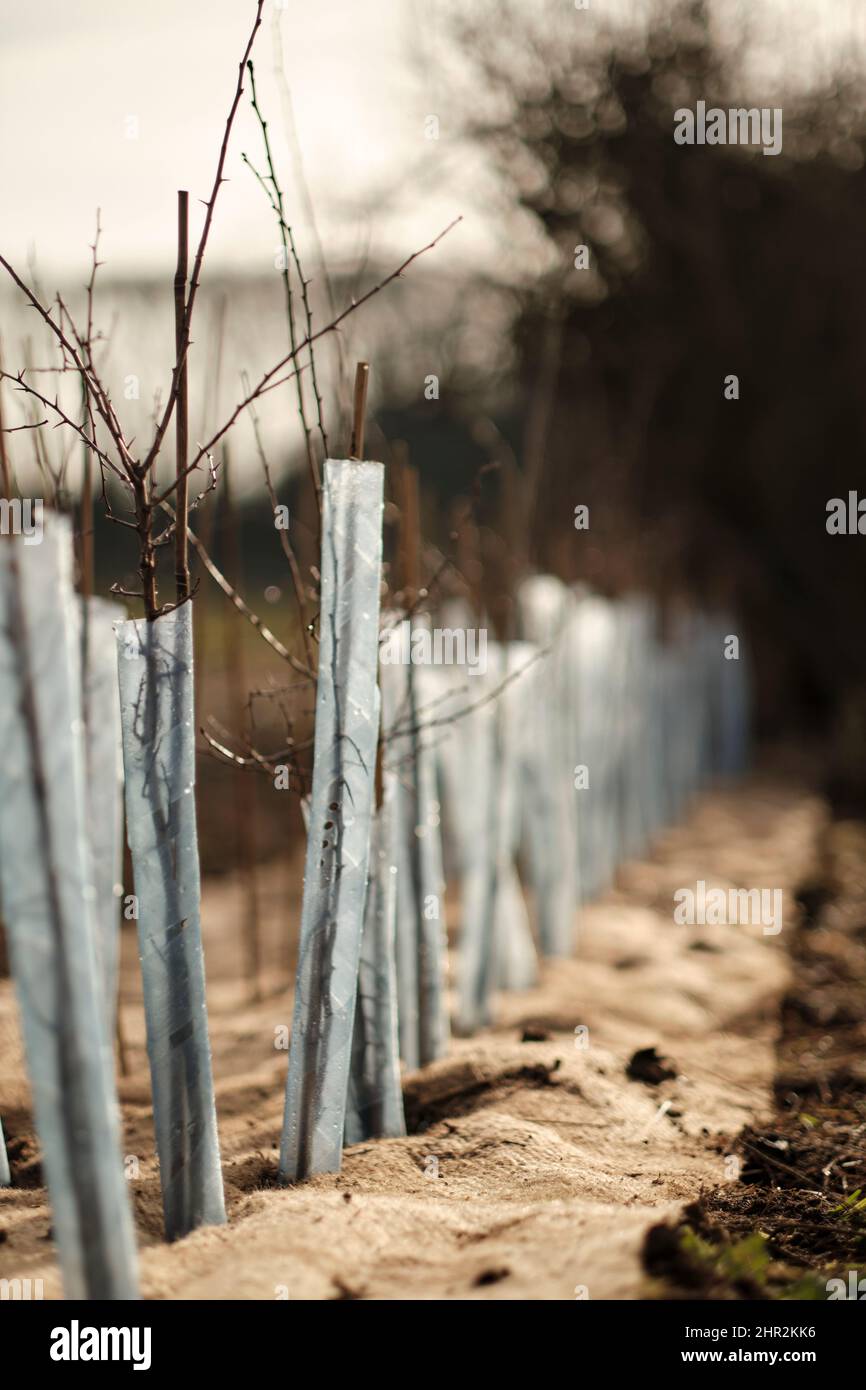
[48, 903]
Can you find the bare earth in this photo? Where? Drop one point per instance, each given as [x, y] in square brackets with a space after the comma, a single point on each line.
[536, 1167]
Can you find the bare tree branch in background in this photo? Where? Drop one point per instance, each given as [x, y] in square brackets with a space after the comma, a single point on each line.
[290, 256]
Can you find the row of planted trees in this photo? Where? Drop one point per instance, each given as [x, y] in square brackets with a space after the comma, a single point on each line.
[559, 753]
[435, 753]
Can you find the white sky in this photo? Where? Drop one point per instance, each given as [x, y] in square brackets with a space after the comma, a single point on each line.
[363, 75]
[73, 71]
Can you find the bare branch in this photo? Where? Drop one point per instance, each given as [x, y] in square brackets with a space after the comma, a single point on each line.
[288, 550]
[276, 201]
[32, 425]
[242, 607]
[22, 385]
[202, 246]
[267, 382]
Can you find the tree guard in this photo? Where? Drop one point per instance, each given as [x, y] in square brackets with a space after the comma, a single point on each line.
[48, 898]
[410, 769]
[5, 1175]
[374, 1107]
[341, 812]
[157, 721]
[548, 796]
[103, 786]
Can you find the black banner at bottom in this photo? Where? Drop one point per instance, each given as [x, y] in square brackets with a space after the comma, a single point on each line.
[58, 1340]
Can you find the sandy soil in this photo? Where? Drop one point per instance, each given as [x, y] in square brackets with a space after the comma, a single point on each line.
[535, 1167]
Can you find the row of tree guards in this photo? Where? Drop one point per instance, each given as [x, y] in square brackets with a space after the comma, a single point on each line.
[520, 772]
[527, 776]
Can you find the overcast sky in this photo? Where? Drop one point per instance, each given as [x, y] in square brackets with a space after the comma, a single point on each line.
[117, 105]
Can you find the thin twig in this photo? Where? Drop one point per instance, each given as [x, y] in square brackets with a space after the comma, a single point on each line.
[267, 382]
[276, 201]
[288, 549]
[242, 607]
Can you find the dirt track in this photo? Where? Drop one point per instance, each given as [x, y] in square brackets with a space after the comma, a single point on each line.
[536, 1167]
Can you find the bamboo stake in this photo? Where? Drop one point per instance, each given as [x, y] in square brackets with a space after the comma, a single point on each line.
[359, 411]
[181, 547]
[409, 502]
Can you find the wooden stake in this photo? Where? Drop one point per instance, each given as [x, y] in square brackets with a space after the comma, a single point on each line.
[120, 1040]
[181, 551]
[409, 502]
[359, 413]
